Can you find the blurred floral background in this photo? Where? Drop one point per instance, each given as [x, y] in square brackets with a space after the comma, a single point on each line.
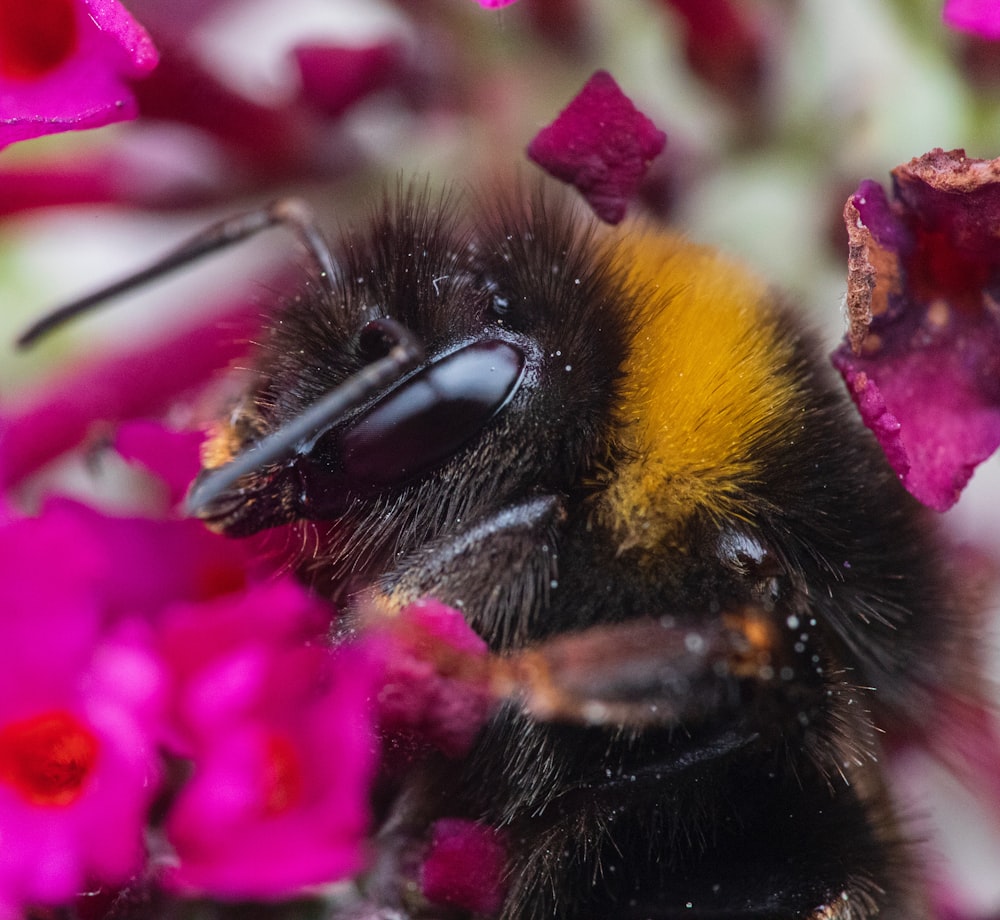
[774, 110]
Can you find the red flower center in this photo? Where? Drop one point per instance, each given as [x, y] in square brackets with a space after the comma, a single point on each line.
[283, 776]
[47, 758]
[217, 578]
[36, 36]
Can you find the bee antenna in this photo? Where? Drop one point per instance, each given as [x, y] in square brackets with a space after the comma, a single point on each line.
[289, 212]
[297, 436]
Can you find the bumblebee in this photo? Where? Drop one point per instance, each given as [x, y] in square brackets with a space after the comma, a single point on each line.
[627, 440]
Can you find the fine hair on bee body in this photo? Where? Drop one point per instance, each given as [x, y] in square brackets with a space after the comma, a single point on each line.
[625, 442]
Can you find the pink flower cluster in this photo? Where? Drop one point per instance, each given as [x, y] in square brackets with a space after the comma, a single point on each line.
[76, 64]
[130, 644]
[173, 712]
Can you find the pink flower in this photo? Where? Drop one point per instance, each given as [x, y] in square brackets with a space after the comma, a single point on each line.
[66, 65]
[601, 145]
[80, 717]
[494, 4]
[980, 17]
[82, 693]
[922, 361]
[464, 866]
[435, 690]
[277, 727]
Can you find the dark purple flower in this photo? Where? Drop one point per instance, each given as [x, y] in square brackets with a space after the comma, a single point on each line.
[601, 145]
[980, 17]
[67, 64]
[464, 866]
[922, 361]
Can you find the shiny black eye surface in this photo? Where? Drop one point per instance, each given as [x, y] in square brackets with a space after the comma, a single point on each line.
[430, 415]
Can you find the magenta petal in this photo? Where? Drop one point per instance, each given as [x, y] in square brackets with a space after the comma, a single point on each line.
[141, 565]
[940, 426]
[446, 625]
[334, 77]
[80, 714]
[494, 4]
[875, 212]
[174, 456]
[231, 653]
[69, 69]
[980, 17]
[140, 382]
[464, 866]
[923, 358]
[601, 145]
[113, 19]
[422, 697]
[279, 794]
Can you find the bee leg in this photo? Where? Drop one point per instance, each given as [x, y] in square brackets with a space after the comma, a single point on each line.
[508, 562]
[648, 671]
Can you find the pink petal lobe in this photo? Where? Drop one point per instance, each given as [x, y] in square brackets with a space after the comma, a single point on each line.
[335, 77]
[980, 17]
[601, 145]
[67, 65]
[434, 690]
[278, 729]
[464, 866]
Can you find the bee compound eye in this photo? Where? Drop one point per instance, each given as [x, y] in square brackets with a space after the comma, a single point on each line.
[431, 414]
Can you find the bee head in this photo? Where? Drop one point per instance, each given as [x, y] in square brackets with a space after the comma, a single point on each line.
[514, 347]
